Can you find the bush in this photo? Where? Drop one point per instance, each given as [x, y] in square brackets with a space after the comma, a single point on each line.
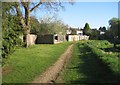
[10, 33]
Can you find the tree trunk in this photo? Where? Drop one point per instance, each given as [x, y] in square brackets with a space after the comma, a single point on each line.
[27, 22]
[114, 45]
[27, 38]
[24, 22]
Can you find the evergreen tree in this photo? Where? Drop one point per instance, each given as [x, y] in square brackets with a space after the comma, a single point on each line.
[115, 27]
[10, 30]
[86, 29]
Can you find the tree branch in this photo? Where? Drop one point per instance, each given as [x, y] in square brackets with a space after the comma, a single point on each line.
[19, 14]
[36, 6]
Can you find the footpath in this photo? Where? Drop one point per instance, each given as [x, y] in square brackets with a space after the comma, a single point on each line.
[50, 75]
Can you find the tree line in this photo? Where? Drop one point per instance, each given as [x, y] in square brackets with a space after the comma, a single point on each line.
[47, 25]
[111, 33]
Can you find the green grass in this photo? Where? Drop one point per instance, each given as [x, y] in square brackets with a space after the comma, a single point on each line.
[85, 66]
[107, 54]
[27, 63]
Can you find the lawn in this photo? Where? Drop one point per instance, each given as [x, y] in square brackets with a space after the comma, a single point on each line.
[86, 66]
[27, 63]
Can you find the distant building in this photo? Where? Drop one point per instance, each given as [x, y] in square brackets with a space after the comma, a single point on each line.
[69, 31]
[79, 32]
[76, 36]
[101, 32]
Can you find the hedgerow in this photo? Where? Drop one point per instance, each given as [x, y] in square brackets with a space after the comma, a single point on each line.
[110, 60]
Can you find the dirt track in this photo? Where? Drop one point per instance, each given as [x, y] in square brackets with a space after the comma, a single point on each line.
[52, 72]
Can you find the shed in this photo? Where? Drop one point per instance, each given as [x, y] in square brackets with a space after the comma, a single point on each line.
[50, 39]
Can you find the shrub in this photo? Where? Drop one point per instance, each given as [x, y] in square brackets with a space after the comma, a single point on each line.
[10, 34]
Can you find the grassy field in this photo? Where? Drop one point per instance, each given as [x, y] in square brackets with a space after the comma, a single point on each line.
[91, 66]
[26, 63]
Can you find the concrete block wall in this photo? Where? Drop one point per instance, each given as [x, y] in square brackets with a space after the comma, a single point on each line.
[73, 37]
[45, 39]
[31, 39]
[77, 37]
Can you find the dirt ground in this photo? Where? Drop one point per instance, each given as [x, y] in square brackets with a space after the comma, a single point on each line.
[50, 75]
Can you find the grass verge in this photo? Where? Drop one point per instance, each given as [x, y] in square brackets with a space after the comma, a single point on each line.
[27, 63]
